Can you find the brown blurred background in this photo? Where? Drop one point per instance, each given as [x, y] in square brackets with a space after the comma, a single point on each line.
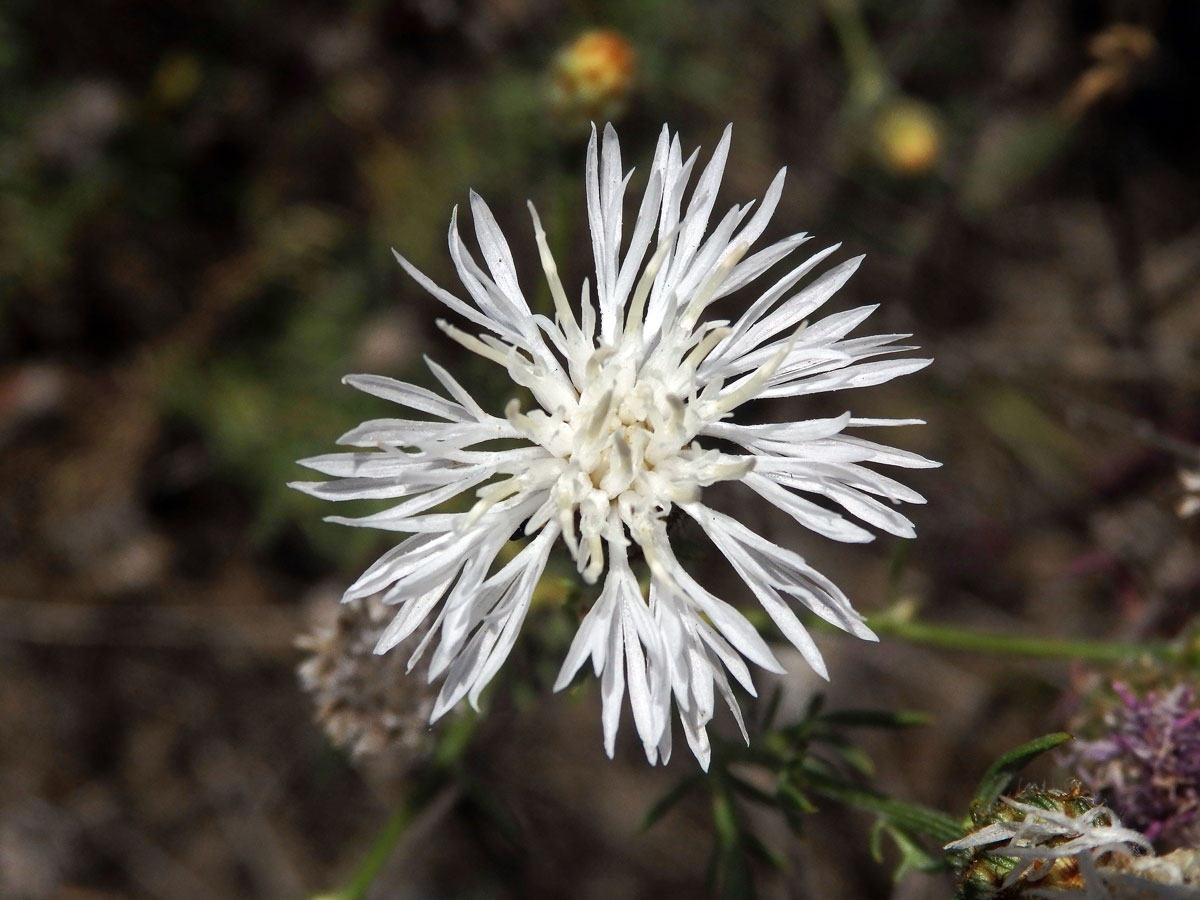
[197, 202]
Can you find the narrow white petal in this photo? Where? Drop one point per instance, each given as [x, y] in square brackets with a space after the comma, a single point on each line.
[762, 217]
[410, 616]
[591, 639]
[496, 253]
[769, 298]
[612, 686]
[810, 515]
[799, 307]
[461, 307]
[458, 393]
[409, 395]
[863, 375]
[704, 197]
[755, 265]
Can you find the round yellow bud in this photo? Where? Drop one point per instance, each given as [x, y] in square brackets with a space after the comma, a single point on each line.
[908, 137]
[592, 77]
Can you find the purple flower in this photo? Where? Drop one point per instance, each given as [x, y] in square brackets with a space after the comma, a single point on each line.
[1148, 765]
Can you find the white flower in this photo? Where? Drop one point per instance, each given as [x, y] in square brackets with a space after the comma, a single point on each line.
[1190, 504]
[1043, 838]
[633, 397]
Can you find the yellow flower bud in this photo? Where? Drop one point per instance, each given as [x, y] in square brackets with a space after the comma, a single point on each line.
[908, 137]
[592, 78]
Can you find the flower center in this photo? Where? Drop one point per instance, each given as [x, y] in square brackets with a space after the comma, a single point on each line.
[621, 458]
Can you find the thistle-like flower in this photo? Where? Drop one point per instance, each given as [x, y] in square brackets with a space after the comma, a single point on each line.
[1065, 845]
[1147, 764]
[634, 391]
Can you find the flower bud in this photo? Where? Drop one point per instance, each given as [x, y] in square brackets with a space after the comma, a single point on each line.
[592, 78]
[907, 137]
[1043, 841]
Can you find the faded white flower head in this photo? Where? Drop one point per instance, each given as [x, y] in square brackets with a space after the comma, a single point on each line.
[1090, 855]
[634, 390]
[1189, 505]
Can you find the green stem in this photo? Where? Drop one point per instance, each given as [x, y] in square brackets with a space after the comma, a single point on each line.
[440, 779]
[868, 77]
[381, 848]
[954, 638]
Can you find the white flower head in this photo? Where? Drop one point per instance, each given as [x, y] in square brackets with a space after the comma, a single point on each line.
[1043, 839]
[633, 399]
[1190, 504]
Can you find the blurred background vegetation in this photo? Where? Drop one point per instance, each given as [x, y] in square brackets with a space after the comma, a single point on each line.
[197, 206]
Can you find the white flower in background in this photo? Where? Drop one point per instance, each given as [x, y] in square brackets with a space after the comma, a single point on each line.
[1054, 849]
[1190, 504]
[633, 399]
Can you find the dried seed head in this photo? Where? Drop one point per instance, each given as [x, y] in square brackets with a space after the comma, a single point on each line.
[363, 700]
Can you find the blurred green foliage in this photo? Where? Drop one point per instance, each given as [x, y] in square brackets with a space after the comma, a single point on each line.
[198, 204]
[224, 202]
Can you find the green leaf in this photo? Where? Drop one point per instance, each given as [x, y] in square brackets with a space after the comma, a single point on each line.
[796, 798]
[729, 868]
[795, 805]
[816, 767]
[725, 823]
[912, 817]
[751, 791]
[757, 848]
[1001, 773]
[732, 874]
[912, 854]
[876, 842]
[851, 754]
[771, 709]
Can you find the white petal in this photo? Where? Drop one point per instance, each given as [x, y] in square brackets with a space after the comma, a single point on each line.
[591, 639]
[799, 307]
[496, 253]
[409, 395]
[806, 513]
[612, 686]
[863, 375]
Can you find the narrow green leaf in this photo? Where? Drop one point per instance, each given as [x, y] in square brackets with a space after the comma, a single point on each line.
[794, 805]
[1001, 773]
[728, 867]
[815, 767]
[725, 824]
[771, 710]
[735, 880]
[854, 756]
[876, 842]
[912, 854]
[796, 798]
[756, 847]
[750, 791]
[912, 817]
